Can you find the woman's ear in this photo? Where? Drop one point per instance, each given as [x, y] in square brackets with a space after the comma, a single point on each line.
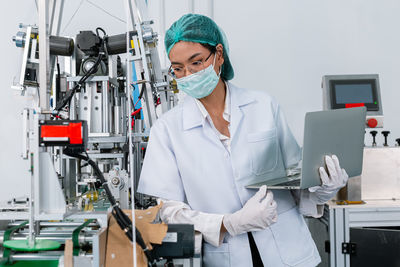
[219, 54]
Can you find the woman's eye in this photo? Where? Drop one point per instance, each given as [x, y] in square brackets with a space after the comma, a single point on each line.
[177, 69]
[197, 63]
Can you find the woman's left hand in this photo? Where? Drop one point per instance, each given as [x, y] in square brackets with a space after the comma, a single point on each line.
[332, 181]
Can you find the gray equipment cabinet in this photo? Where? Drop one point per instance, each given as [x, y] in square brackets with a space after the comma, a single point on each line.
[359, 235]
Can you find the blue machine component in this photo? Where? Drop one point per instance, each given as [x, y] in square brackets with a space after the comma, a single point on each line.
[136, 91]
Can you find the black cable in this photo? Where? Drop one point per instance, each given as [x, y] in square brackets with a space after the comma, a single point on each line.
[68, 96]
[142, 91]
[105, 39]
[122, 219]
[58, 80]
[102, 30]
[103, 50]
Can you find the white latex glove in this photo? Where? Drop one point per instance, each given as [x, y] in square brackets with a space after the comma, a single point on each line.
[258, 213]
[331, 183]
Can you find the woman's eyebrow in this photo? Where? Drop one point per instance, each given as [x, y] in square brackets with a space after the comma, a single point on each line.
[190, 58]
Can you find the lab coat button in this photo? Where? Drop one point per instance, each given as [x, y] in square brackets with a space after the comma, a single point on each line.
[226, 154]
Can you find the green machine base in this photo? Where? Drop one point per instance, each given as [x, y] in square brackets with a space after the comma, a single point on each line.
[52, 263]
[39, 245]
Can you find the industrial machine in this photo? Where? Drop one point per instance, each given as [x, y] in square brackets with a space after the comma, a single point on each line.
[346, 91]
[91, 100]
[361, 226]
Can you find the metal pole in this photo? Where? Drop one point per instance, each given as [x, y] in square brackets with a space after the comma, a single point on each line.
[57, 7]
[104, 110]
[31, 236]
[34, 199]
[58, 238]
[51, 13]
[162, 27]
[129, 12]
[64, 224]
[44, 55]
[56, 17]
[31, 256]
[141, 49]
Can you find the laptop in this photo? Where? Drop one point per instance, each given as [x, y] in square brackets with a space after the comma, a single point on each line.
[337, 132]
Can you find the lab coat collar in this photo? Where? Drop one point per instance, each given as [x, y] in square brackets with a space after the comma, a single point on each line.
[192, 116]
[239, 99]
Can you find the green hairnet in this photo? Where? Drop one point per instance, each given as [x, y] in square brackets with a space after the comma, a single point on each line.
[199, 29]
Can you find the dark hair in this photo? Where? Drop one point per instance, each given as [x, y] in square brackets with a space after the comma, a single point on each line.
[210, 48]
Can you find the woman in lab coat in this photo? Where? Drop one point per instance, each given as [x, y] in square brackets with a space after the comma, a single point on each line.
[202, 154]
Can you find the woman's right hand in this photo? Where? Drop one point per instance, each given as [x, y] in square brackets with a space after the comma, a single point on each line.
[257, 214]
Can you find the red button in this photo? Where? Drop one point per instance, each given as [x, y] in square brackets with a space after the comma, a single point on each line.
[372, 123]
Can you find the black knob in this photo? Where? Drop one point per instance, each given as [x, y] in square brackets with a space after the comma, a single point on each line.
[373, 133]
[385, 134]
[398, 141]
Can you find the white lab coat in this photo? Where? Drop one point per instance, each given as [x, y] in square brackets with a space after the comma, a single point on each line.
[186, 161]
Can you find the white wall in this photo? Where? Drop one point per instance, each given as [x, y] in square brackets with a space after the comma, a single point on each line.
[283, 47]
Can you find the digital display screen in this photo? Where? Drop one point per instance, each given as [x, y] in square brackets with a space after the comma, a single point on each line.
[344, 93]
[354, 93]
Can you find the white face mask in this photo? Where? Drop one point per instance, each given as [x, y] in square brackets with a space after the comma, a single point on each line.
[199, 85]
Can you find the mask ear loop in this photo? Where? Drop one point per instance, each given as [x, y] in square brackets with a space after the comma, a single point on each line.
[220, 68]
